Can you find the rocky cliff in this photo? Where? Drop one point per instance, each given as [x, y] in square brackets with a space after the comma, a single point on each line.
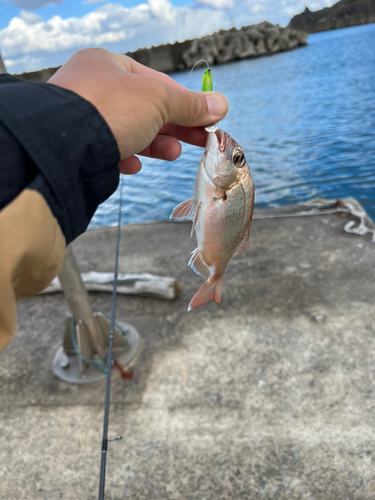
[342, 14]
[221, 47]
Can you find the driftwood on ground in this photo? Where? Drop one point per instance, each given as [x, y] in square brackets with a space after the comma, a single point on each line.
[144, 284]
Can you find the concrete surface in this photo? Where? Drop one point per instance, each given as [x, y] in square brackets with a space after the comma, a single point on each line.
[270, 396]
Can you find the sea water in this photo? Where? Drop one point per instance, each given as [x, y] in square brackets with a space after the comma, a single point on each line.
[305, 119]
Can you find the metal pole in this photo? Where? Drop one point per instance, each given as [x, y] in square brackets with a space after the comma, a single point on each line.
[78, 299]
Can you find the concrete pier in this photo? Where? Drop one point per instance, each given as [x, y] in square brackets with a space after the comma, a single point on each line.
[270, 396]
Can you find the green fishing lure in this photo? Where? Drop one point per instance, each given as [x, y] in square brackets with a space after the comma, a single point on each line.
[207, 81]
[207, 86]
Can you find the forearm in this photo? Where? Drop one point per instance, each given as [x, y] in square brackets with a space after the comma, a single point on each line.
[59, 161]
[55, 142]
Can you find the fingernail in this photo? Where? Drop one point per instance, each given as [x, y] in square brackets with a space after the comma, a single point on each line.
[218, 105]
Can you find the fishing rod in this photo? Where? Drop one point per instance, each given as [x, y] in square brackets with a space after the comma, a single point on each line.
[109, 360]
[206, 86]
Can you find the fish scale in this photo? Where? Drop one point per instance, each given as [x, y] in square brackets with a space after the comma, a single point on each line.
[226, 241]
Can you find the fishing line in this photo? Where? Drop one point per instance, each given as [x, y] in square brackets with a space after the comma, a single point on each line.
[193, 68]
[109, 359]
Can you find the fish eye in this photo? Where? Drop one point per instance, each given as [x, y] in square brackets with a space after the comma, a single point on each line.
[238, 158]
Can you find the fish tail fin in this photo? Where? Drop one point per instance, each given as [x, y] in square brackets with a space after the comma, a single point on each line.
[210, 290]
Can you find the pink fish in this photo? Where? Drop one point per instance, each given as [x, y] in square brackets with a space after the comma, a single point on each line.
[222, 209]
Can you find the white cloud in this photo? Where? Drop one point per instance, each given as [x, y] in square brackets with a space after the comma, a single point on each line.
[219, 4]
[289, 10]
[258, 7]
[163, 10]
[30, 17]
[30, 42]
[9, 63]
[314, 6]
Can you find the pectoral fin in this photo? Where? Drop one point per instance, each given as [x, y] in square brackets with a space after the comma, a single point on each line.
[184, 209]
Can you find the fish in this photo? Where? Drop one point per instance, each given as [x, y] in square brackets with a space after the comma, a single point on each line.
[222, 209]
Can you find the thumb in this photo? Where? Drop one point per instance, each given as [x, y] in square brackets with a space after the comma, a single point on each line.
[195, 109]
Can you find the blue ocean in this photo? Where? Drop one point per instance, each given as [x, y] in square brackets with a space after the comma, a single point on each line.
[306, 121]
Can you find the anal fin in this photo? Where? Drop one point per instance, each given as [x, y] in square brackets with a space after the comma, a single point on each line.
[197, 264]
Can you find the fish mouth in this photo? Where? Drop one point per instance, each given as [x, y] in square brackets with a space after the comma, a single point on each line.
[221, 138]
[216, 141]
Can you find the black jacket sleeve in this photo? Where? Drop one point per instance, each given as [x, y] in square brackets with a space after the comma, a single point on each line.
[55, 142]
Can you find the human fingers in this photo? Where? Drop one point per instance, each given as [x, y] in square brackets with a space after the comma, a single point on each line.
[163, 147]
[197, 136]
[190, 109]
[140, 106]
[137, 106]
[130, 166]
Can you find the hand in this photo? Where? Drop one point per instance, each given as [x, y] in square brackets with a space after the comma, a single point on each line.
[147, 112]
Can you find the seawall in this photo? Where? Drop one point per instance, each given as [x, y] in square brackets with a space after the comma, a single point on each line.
[221, 47]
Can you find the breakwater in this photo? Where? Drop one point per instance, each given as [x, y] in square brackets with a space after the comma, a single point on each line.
[220, 47]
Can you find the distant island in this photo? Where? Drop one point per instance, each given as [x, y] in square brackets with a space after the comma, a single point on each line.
[342, 14]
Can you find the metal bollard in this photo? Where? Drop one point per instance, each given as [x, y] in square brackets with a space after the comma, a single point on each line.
[79, 302]
[85, 344]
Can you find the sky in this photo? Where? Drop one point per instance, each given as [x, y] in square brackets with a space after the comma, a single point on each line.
[36, 34]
